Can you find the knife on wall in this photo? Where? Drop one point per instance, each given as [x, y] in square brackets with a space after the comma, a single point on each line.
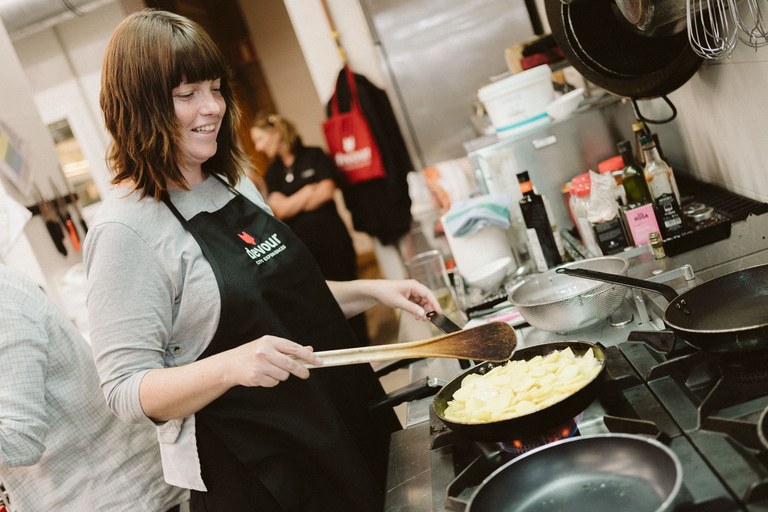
[74, 201]
[49, 217]
[66, 219]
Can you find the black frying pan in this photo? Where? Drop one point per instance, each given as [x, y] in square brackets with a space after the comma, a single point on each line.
[608, 51]
[536, 422]
[726, 314]
[609, 472]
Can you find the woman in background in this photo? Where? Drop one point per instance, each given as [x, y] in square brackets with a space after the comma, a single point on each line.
[301, 181]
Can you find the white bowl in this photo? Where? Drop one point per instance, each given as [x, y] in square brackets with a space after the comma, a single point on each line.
[565, 105]
[490, 275]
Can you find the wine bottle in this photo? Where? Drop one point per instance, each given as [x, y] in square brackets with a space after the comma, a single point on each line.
[640, 130]
[538, 228]
[663, 189]
[633, 177]
[639, 214]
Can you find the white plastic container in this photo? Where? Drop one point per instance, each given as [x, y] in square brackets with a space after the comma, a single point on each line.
[519, 102]
[475, 251]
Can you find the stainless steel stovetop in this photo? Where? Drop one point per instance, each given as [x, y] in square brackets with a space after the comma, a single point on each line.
[680, 398]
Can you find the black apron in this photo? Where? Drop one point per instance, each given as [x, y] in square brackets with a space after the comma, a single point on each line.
[312, 443]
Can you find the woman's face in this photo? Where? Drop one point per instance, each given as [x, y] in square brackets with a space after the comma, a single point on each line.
[266, 141]
[199, 107]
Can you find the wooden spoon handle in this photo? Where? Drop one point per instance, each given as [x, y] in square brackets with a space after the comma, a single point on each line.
[495, 341]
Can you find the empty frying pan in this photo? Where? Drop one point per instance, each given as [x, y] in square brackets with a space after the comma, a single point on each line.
[584, 474]
[726, 314]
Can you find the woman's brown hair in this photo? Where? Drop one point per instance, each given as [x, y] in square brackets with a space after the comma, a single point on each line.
[150, 53]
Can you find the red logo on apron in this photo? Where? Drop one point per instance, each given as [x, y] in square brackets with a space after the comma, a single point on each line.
[247, 238]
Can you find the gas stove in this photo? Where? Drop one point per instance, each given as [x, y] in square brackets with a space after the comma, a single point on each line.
[706, 408]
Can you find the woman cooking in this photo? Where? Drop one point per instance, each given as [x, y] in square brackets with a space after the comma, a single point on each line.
[200, 301]
[301, 181]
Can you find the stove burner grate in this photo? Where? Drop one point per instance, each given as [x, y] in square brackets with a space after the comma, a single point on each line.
[520, 446]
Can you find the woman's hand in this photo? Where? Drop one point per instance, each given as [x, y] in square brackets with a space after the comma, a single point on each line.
[354, 297]
[170, 393]
[269, 360]
[408, 295]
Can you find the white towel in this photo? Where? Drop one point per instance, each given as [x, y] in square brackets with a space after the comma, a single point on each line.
[471, 215]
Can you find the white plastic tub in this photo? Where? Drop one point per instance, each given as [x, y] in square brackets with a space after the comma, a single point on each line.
[519, 102]
[473, 252]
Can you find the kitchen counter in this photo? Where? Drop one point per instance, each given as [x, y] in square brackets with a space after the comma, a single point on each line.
[410, 478]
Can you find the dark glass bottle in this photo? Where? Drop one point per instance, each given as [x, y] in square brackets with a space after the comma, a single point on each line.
[640, 130]
[658, 148]
[663, 187]
[633, 177]
[539, 229]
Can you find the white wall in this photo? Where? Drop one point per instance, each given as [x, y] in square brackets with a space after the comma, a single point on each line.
[285, 70]
[722, 117]
[36, 255]
[291, 82]
[63, 66]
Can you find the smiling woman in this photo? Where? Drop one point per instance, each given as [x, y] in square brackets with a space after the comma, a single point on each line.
[203, 306]
[148, 135]
[199, 108]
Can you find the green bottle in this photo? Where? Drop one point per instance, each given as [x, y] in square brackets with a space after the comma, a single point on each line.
[633, 177]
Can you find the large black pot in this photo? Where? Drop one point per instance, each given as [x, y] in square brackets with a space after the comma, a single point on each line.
[610, 52]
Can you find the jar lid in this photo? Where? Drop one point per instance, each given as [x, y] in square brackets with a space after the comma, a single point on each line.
[583, 189]
[612, 164]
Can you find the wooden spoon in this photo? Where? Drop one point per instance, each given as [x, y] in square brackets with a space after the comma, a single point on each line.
[494, 341]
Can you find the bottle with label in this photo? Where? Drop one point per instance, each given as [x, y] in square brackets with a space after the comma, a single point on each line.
[555, 233]
[538, 228]
[639, 214]
[640, 130]
[633, 177]
[657, 245]
[658, 147]
[663, 188]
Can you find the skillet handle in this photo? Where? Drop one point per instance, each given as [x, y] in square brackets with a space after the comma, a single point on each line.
[640, 116]
[667, 291]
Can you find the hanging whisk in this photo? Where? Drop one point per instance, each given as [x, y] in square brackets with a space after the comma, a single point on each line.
[754, 32]
[713, 27]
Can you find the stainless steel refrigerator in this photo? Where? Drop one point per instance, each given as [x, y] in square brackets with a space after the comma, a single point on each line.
[436, 54]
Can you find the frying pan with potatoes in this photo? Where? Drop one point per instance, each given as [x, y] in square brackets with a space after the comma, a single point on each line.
[503, 421]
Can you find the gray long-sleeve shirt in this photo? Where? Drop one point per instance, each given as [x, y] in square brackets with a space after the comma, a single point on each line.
[153, 302]
[60, 446]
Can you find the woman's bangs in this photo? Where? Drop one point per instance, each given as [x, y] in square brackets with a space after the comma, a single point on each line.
[197, 63]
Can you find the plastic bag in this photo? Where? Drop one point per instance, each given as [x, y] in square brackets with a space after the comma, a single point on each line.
[602, 199]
